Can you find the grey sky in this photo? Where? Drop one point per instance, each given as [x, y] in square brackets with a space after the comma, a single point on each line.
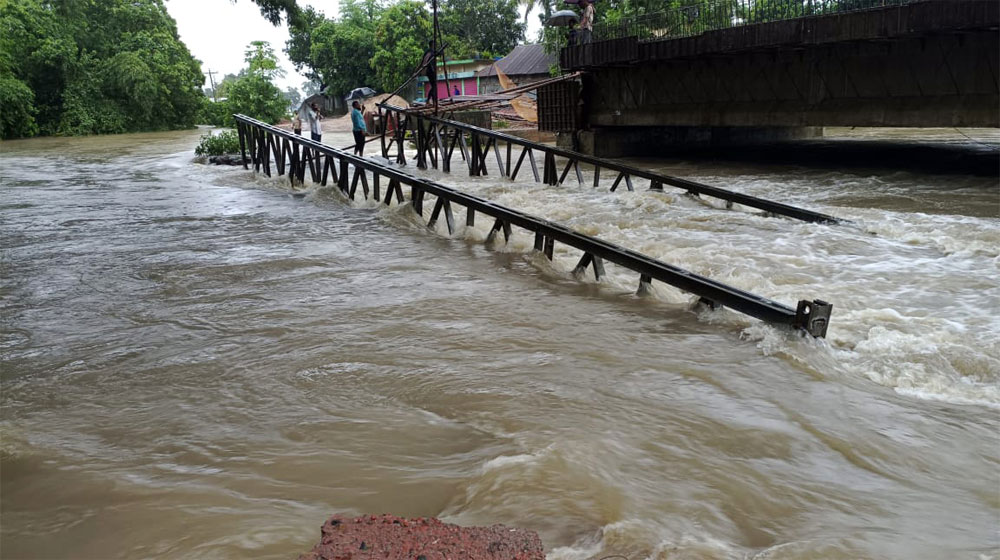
[218, 31]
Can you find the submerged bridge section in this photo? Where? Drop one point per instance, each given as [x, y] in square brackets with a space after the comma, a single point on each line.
[262, 144]
[436, 140]
[736, 70]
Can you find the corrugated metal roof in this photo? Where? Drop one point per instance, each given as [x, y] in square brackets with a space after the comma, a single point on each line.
[523, 60]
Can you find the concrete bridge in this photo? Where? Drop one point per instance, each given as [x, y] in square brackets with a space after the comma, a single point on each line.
[721, 73]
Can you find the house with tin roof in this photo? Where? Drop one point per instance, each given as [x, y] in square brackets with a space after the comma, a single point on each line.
[523, 65]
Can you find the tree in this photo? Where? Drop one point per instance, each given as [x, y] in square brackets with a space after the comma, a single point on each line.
[261, 60]
[222, 87]
[309, 88]
[292, 97]
[254, 94]
[299, 44]
[487, 27]
[94, 67]
[401, 38]
[17, 108]
[343, 52]
[272, 10]
[337, 54]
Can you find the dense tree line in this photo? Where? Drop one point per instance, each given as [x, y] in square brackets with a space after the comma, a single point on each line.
[376, 44]
[84, 67]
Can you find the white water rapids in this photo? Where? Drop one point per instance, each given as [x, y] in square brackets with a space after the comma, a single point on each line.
[197, 363]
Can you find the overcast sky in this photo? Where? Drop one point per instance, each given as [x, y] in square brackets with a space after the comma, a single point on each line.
[218, 31]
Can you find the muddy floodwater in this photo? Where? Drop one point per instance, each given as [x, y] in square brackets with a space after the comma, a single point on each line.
[200, 363]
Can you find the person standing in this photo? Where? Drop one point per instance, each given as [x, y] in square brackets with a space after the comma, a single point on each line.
[297, 125]
[314, 125]
[359, 128]
[586, 22]
[457, 93]
[430, 70]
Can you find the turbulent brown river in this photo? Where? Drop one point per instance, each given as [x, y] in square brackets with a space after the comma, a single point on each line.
[200, 363]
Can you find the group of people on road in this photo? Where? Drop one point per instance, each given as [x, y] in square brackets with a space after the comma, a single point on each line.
[312, 116]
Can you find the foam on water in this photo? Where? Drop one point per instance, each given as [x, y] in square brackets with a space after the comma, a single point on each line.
[916, 300]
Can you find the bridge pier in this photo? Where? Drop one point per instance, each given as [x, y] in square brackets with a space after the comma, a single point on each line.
[621, 141]
[735, 73]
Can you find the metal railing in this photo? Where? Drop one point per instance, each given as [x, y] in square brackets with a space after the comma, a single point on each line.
[432, 134]
[261, 144]
[711, 15]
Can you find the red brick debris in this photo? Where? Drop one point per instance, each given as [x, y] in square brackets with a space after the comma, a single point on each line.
[388, 537]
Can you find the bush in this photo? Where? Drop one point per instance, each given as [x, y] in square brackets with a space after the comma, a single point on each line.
[225, 142]
[17, 109]
[215, 113]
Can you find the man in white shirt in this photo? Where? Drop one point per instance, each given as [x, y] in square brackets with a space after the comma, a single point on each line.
[313, 117]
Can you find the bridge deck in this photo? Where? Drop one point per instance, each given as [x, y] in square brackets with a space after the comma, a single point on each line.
[260, 143]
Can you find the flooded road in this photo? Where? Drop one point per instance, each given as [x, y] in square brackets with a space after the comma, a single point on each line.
[198, 364]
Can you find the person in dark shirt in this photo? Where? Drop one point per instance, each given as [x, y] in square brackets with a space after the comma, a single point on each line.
[430, 70]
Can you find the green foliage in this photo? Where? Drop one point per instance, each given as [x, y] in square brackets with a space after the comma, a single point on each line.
[371, 44]
[487, 27]
[257, 97]
[94, 67]
[222, 86]
[401, 38]
[299, 44]
[292, 98]
[253, 93]
[309, 88]
[214, 113]
[273, 9]
[336, 54]
[262, 61]
[225, 142]
[17, 108]
[343, 52]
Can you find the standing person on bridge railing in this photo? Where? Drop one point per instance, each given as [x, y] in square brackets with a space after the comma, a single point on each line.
[359, 128]
[586, 22]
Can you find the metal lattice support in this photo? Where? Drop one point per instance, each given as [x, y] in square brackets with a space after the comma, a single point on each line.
[810, 315]
[482, 141]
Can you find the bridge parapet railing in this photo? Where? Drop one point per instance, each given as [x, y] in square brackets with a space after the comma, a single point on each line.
[261, 144]
[697, 18]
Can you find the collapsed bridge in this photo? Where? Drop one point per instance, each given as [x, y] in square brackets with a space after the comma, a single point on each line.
[261, 143]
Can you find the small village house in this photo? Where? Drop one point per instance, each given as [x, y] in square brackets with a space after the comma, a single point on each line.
[524, 65]
[461, 73]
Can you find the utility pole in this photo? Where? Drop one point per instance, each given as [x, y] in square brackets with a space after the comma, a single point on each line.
[433, 62]
[435, 35]
[211, 79]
